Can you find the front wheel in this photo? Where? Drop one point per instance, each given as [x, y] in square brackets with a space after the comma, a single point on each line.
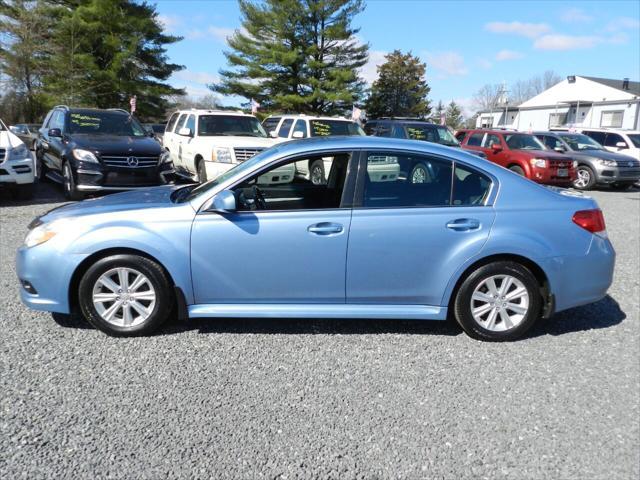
[125, 295]
[71, 191]
[316, 173]
[585, 178]
[517, 169]
[419, 174]
[498, 301]
[202, 171]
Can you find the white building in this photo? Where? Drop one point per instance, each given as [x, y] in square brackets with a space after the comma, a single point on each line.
[576, 101]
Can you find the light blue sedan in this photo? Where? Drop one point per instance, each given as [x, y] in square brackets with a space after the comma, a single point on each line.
[399, 229]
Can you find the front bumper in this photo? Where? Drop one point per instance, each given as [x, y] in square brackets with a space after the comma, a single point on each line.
[607, 175]
[17, 172]
[550, 176]
[91, 177]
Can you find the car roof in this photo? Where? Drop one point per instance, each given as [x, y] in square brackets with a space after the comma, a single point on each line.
[314, 117]
[608, 130]
[94, 110]
[201, 111]
[406, 120]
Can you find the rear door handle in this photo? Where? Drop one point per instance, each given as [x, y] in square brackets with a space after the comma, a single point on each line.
[325, 228]
[463, 224]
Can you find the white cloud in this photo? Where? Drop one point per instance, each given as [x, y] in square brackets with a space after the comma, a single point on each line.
[369, 71]
[530, 30]
[504, 55]
[170, 22]
[466, 105]
[448, 63]
[575, 15]
[221, 33]
[566, 42]
[484, 63]
[202, 78]
[623, 23]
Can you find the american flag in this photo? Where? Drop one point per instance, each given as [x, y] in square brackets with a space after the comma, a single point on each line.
[132, 103]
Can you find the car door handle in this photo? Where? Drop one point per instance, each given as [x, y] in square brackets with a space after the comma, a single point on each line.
[463, 224]
[325, 228]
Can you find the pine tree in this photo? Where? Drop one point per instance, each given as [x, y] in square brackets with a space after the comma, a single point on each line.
[437, 112]
[454, 118]
[296, 55]
[401, 89]
[26, 28]
[109, 50]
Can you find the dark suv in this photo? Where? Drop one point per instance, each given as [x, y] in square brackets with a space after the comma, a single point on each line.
[414, 129]
[91, 150]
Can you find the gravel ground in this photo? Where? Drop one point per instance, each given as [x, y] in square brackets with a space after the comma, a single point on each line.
[329, 399]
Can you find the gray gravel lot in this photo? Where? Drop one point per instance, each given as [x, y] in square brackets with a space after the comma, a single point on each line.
[322, 399]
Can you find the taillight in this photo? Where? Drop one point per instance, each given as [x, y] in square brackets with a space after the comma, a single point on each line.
[590, 220]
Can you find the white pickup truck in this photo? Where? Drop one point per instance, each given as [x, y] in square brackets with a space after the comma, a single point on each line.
[206, 143]
[17, 169]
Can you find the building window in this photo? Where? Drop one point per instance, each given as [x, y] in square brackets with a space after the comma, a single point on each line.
[557, 119]
[612, 118]
[486, 122]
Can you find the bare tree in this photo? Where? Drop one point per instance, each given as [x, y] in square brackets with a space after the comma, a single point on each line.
[487, 97]
[523, 90]
[208, 102]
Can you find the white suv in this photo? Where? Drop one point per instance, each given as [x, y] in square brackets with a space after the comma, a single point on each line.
[206, 143]
[292, 127]
[17, 169]
[626, 142]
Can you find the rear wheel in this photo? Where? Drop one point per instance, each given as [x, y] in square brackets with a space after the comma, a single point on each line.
[585, 178]
[517, 169]
[125, 295]
[202, 171]
[419, 174]
[498, 301]
[69, 184]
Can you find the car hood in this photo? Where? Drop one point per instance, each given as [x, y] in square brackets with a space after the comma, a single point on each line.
[9, 139]
[142, 199]
[238, 141]
[548, 155]
[118, 145]
[602, 154]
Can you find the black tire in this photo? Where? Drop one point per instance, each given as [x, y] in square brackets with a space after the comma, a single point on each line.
[71, 191]
[164, 297]
[316, 173]
[202, 170]
[24, 192]
[41, 169]
[588, 174]
[517, 169]
[462, 301]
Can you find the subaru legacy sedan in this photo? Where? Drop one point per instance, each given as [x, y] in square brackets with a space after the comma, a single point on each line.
[468, 240]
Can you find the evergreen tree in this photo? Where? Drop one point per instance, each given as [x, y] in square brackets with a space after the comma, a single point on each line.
[401, 89]
[25, 41]
[106, 51]
[454, 118]
[296, 55]
[437, 112]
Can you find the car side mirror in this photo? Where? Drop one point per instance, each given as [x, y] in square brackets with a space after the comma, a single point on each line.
[297, 135]
[222, 202]
[55, 132]
[621, 145]
[185, 132]
[273, 134]
[496, 147]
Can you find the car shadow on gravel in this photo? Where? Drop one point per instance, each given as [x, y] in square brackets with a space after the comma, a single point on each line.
[45, 193]
[603, 314]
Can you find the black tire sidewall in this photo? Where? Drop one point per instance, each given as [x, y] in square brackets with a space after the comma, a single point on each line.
[155, 274]
[517, 170]
[202, 171]
[73, 193]
[462, 302]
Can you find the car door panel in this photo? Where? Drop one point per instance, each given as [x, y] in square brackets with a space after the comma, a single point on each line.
[287, 259]
[407, 255]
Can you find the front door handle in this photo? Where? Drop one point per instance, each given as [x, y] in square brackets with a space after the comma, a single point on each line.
[463, 224]
[325, 228]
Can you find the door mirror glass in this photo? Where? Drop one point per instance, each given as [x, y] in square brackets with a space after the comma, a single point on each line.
[621, 145]
[185, 132]
[297, 134]
[223, 202]
[55, 132]
[273, 134]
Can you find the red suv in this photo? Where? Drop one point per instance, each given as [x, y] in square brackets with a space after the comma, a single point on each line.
[521, 153]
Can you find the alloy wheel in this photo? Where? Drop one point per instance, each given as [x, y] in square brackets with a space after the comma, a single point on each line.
[583, 178]
[500, 303]
[419, 175]
[316, 175]
[124, 297]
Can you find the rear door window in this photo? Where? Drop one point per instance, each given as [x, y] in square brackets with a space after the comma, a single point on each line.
[285, 128]
[612, 140]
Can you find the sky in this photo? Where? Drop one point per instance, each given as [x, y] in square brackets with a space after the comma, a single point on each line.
[465, 44]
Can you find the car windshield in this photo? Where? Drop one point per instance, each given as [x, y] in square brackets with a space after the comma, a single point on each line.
[105, 123]
[635, 139]
[327, 128]
[431, 133]
[230, 125]
[581, 142]
[521, 141]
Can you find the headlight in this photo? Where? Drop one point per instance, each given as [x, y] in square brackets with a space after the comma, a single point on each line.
[19, 152]
[608, 163]
[222, 155]
[84, 155]
[574, 164]
[45, 232]
[538, 162]
[165, 157]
